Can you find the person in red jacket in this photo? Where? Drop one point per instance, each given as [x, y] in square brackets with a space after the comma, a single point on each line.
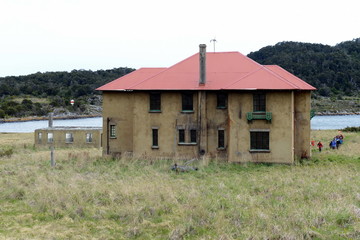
[320, 145]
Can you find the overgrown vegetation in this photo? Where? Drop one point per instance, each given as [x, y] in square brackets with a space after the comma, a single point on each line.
[88, 197]
[335, 105]
[351, 129]
[6, 151]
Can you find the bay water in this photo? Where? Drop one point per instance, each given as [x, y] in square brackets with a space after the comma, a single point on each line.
[317, 123]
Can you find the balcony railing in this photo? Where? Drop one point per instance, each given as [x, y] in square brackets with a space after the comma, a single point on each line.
[259, 116]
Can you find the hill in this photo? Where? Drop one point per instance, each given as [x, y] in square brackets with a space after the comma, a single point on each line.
[39, 93]
[333, 70]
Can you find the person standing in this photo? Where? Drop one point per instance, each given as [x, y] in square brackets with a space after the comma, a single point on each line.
[320, 145]
[333, 144]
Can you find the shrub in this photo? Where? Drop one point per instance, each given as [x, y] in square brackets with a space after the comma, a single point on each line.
[351, 129]
[6, 152]
[2, 113]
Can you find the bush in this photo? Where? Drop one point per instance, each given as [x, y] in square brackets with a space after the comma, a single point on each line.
[351, 129]
[6, 152]
[2, 113]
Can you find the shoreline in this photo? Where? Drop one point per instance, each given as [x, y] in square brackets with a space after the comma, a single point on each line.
[337, 114]
[28, 119]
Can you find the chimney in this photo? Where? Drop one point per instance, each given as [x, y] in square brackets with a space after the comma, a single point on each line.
[202, 63]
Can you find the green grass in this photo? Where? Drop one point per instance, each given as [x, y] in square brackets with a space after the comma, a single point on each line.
[89, 197]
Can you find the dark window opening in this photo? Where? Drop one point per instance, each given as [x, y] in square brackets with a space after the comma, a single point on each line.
[155, 102]
[221, 100]
[259, 141]
[259, 102]
[221, 138]
[181, 136]
[155, 137]
[187, 102]
[193, 136]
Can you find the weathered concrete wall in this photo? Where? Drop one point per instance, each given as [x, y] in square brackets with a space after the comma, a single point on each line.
[168, 121]
[280, 128]
[302, 124]
[59, 140]
[129, 112]
[216, 119]
[118, 111]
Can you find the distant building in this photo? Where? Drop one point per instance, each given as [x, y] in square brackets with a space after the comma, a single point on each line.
[220, 104]
[63, 137]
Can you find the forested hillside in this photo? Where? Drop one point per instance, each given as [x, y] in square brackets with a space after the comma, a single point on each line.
[334, 71]
[39, 93]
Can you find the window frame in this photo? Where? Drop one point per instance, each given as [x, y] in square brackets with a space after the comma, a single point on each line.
[112, 131]
[50, 139]
[69, 139]
[221, 100]
[260, 140]
[89, 138]
[259, 102]
[181, 136]
[155, 102]
[221, 138]
[187, 102]
[39, 137]
[193, 138]
[155, 138]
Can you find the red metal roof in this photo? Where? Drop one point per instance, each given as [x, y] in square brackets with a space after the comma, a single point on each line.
[224, 71]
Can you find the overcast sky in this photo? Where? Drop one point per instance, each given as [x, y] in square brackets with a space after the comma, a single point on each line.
[62, 35]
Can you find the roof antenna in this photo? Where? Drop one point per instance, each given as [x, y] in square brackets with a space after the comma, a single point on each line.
[214, 41]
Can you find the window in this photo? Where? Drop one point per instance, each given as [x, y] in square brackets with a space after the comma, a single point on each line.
[181, 136]
[187, 137]
[50, 137]
[259, 101]
[155, 138]
[221, 138]
[69, 138]
[193, 136]
[259, 140]
[112, 131]
[39, 137]
[221, 100]
[155, 102]
[89, 137]
[187, 102]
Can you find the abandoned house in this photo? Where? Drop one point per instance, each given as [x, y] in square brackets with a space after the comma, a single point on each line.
[218, 104]
[68, 137]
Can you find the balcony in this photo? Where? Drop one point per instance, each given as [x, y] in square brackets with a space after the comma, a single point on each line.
[259, 116]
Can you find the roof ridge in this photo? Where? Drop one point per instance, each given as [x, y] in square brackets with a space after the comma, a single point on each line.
[287, 72]
[269, 71]
[246, 75]
[280, 77]
[131, 73]
[260, 65]
[135, 84]
[166, 69]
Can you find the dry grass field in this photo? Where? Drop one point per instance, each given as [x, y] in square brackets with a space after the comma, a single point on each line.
[89, 197]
